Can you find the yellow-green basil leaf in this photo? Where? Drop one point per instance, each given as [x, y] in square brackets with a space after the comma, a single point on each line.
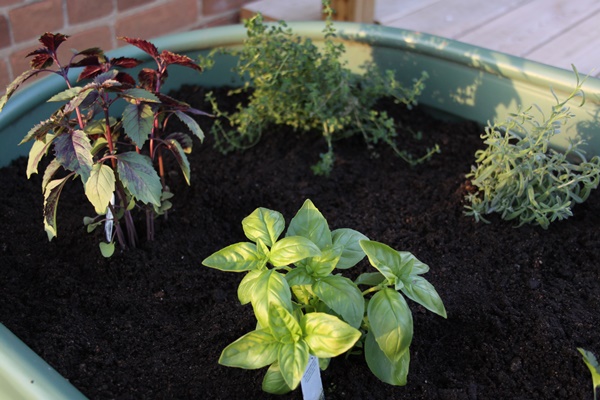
[293, 359]
[393, 373]
[51, 195]
[270, 289]
[385, 259]
[246, 286]
[100, 187]
[326, 335]
[420, 290]
[273, 381]
[264, 224]
[38, 150]
[238, 257]
[254, 350]
[592, 363]
[349, 240]
[311, 224]
[342, 296]
[299, 276]
[292, 249]
[283, 325]
[391, 322]
[322, 265]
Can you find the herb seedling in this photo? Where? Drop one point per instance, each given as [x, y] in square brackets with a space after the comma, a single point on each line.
[519, 176]
[592, 363]
[290, 81]
[115, 159]
[302, 307]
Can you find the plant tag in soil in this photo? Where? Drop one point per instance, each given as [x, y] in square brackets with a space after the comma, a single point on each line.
[108, 225]
[312, 387]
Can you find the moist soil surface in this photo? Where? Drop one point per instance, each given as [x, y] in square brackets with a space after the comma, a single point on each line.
[150, 323]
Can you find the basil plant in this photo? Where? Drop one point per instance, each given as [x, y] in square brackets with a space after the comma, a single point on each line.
[305, 306]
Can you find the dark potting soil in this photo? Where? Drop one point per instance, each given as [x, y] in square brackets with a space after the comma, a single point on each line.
[150, 323]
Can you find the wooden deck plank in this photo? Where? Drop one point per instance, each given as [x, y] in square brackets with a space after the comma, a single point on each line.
[453, 18]
[529, 26]
[276, 10]
[578, 46]
[387, 11]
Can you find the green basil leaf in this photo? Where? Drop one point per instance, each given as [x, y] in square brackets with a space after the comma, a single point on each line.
[138, 120]
[352, 253]
[386, 260]
[292, 249]
[393, 373]
[299, 276]
[342, 296]
[592, 364]
[391, 322]
[311, 224]
[420, 290]
[370, 279]
[273, 381]
[246, 286]
[322, 265]
[263, 224]
[418, 267]
[326, 335]
[238, 257]
[293, 359]
[254, 350]
[271, 289]
[283, 325]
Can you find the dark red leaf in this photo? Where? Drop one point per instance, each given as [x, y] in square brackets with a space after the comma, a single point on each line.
[52, 40]
[87, 61]
[125, 79]
[173, 58]
[143, 45]
[41, 60]
[125, 62]
[92, 51]
[90, 72]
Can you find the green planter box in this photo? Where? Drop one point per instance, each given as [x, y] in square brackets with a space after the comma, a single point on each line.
[465, 82]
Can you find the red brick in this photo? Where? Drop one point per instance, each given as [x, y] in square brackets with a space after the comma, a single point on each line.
[212, 7]
[8, 2]
[83, 11]
[127, 4]
[4, 78]
[18, 61]
[158, 20]
[32, 20]
[4, 32]
[96, 37]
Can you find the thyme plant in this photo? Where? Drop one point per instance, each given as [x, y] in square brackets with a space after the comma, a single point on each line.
[290, 81]
[115, 159]
[519, 175]
[304, 305]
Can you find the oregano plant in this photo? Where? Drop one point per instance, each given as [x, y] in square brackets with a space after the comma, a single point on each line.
[305, 306]
[520, 176]
[118, 160]
[291, 81]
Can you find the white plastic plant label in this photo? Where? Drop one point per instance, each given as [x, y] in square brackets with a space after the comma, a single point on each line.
[312, 387]
[108, 225]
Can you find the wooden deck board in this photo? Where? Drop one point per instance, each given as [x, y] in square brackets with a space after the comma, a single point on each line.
[578, 46]
[525, 28]
[454, 18]
[554, 32]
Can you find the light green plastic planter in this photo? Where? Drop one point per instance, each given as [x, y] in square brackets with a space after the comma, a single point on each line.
[465, 81]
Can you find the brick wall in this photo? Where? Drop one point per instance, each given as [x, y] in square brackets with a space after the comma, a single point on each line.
[97, 23]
